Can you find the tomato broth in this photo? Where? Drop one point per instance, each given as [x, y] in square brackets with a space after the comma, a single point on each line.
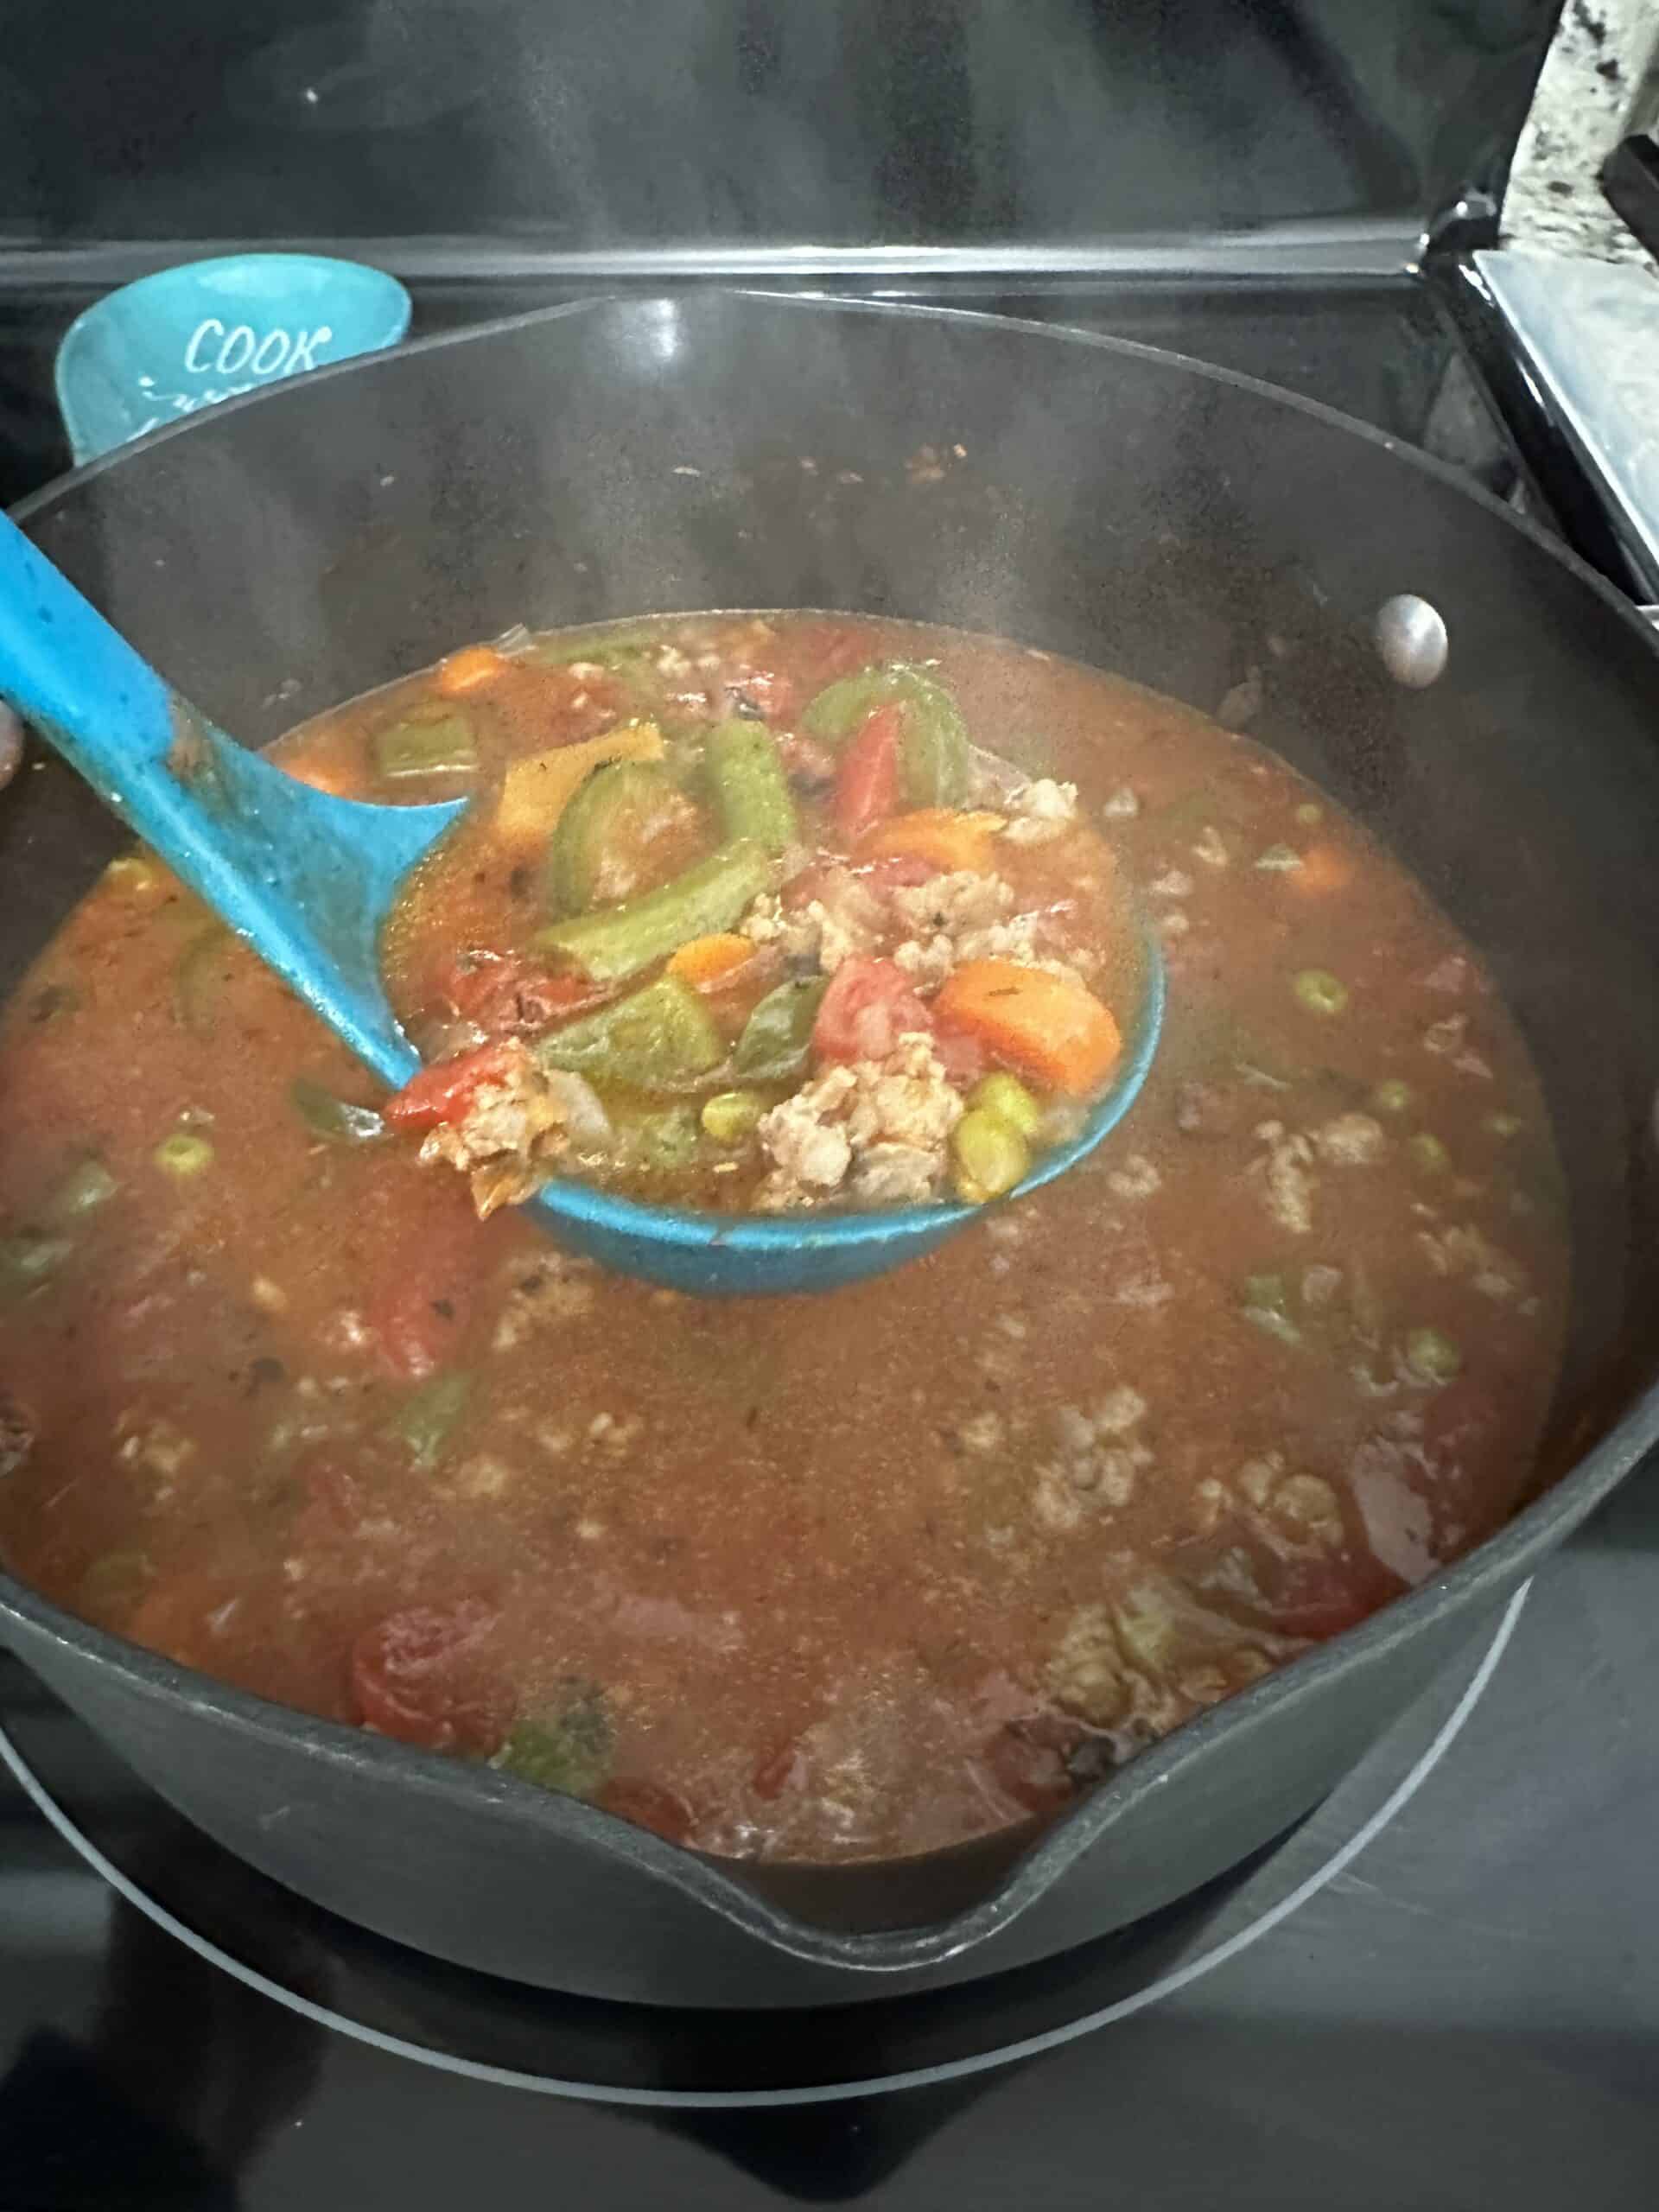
[823, 1577]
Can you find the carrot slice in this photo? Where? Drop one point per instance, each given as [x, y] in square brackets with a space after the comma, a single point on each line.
[950, 840]
[709, 962]
[469, 669]
[1325, 868]
[1041, 1024]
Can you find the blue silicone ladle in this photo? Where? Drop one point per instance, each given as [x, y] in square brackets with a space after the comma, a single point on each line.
[308, 879]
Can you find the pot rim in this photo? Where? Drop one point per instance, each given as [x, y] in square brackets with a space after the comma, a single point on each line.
[1484, 1574]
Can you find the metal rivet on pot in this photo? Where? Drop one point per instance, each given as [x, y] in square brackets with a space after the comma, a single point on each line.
[1411, 638]
[11, 744]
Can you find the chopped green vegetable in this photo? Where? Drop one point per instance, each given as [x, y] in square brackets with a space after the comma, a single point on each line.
[750, 785]
[442, 746]
[731, 1116]
[28, 1262]
[659, 1038]
[1504, 1125]
[1006, 1097]
[1429, 1154]
[1279, 860]
[668, 1140]
[568, 1747]
[426, 1420]
[618, 942]
[602, 647]
[1392, 1096]
[115, 1578]
[1319, 991]
[603, 832]
[990, 1154]
[334, 1119]
[1309, 815]
[1432, 1356]
[933, 757]
[778, 1035]
[135, 873]
[52, 1001]
[87, 1186]
[1265, 1300]
[183, 1154]
[197, 976]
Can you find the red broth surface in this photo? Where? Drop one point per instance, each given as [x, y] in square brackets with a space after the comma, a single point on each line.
[819, 1577]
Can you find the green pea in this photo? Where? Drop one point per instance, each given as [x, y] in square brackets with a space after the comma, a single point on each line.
[1006, 1097]
[1432, 1356]
[1308, 814]
[731, 1116]
[183, 1155]
[991, 1157]
[1319, 991]
[1392, 1096]
[1429, 1154]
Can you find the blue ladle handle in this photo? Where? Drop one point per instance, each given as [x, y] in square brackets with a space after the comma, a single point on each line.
[306, 878]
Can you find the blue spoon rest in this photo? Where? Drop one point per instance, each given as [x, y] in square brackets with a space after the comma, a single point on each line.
[308, 880]
[162, 348]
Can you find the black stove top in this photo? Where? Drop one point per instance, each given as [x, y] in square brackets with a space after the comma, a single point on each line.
[1442, 1991]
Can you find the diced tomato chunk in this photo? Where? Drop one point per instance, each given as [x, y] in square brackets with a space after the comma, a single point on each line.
[504, 993]
[867, 783]
[422, 1675]
[963, 1059]
[897, 872]
[445, 1091]
[649, 1805]
[867, 1008]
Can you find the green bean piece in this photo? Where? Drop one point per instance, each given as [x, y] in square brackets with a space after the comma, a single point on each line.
[990, 1155]
[611, 815]
[332, 1118]
[730, 1116]
[1392, 1096]
[183, 1154]
[427, 1419]
[1433, 1357]
[87, 1186]
[197, 974]
[28, 1262]
[570, 1745]
[1006, 1096]
[1319, 991]
[778, 1036]
[442, 746]
[933, 756]
[660, 1038]
[1429, 1154]
[750, 787]
[618, 942]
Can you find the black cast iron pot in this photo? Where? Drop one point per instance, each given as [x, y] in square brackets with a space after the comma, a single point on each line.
[1177, 523]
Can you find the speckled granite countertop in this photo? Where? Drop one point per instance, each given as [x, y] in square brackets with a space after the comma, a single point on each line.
[1554, 204]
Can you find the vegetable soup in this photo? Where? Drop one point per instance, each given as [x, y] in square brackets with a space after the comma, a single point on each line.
[820, 1577]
